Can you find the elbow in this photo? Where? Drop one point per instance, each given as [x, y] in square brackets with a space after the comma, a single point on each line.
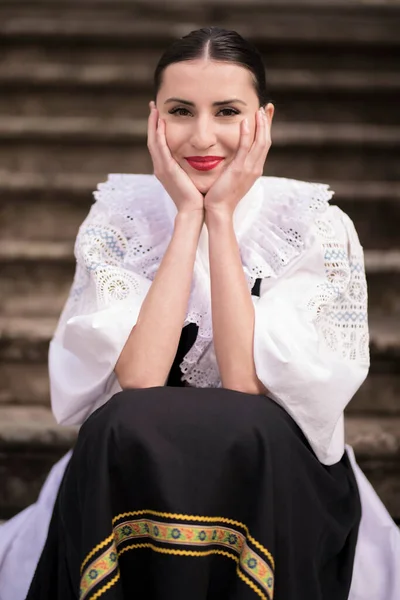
[247, 386]
[133, 383]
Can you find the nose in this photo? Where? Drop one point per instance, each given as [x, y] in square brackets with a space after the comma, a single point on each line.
[203, 133]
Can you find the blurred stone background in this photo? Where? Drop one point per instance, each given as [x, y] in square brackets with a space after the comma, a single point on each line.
[75, 82]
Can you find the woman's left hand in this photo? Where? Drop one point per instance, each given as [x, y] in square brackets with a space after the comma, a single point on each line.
[247, 166]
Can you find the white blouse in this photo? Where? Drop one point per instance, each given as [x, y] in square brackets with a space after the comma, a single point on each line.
[311, 343]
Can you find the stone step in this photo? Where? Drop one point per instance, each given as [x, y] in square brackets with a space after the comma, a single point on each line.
[376, 443]
[49, 73]
[61, 201]
[179, 5]
[30, 443]
[313, 151]
[36, 277]
[24, 376]
[24, 383]
[99, 57]
[300, 105]
[57, 89]
[132, 130]
[158, 23]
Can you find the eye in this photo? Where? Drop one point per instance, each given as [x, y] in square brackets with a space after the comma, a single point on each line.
[178, 111]
[232, 111]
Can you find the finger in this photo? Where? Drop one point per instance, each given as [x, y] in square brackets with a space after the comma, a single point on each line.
[162, 145]
[244, 143]
[151, 129]
[260, 137]
[260, 147]
[268, 126]
[268, 139]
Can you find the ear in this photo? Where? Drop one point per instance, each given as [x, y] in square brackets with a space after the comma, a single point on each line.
[269, 111]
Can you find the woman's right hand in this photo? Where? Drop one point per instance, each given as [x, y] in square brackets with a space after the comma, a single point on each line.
[177, 183]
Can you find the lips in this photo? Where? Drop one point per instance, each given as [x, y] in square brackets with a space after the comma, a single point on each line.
[204, 163]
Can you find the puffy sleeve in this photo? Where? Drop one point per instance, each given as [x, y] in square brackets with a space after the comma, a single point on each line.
[311, 343]
[117, 250]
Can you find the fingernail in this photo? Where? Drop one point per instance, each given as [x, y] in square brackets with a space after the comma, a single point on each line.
[246, 124]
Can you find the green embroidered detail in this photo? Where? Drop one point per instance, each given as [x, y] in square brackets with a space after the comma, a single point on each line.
[179, 534]
[98, 569]
[202, 536]
[199, 535]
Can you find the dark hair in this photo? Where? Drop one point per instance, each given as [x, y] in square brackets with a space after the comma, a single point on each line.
[217, 44]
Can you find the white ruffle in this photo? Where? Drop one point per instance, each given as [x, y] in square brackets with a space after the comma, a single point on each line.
[279, 232]
[129, 229]
[272, 225]
[138, 206]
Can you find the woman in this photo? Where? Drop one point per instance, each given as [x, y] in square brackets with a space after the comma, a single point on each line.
[204, 349]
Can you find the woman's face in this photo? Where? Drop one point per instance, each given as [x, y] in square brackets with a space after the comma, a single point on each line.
[195, 126]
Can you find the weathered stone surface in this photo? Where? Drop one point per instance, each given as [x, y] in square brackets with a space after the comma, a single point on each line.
[137, 75]
[23, 339]
[33, 427]
[134, 130]
[314, 161]
[60, 202]
[30, 443]
[379, 395]
[22, 474]
[37, 275]
[123, 23]
[24, 351]
[374, 437]
[27, 383]
[124, 91]
[24, 383]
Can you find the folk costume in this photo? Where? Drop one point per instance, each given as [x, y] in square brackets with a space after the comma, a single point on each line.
[191, 490]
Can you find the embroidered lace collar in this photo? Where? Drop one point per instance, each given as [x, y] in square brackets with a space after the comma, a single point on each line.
[272, 224]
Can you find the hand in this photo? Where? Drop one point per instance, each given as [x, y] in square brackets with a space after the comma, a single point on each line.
[177, 183]
[247, 166]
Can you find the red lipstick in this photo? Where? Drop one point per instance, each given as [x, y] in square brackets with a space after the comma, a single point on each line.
[204, 163]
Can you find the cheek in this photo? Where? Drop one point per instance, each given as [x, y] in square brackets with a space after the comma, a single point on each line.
[174, 137]
[232, 139]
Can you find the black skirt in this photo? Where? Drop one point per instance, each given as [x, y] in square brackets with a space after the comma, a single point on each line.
[177, 493]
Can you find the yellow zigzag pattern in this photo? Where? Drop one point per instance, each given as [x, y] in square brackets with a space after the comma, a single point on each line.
[179, 516]
[106, 587]
[95, 549]
[201, 519]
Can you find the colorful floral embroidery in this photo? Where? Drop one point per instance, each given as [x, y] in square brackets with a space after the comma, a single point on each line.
[207, 538]
[98, 569]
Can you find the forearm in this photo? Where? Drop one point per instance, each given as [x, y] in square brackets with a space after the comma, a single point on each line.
[232, 308]
[151, 348]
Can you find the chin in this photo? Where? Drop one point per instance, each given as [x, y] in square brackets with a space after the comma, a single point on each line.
[204, 181]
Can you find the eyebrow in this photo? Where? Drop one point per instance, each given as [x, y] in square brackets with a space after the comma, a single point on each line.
[220, 103]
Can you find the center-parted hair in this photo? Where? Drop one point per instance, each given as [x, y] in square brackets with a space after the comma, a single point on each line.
[216, 43]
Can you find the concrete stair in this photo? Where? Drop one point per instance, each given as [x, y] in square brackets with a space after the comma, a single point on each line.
[36, 277]
[76, 78]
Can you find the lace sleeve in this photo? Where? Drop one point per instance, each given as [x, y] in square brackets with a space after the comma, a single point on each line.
[118, 249]
[311, 333]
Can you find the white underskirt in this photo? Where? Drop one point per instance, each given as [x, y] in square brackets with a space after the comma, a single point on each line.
[376, 569]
